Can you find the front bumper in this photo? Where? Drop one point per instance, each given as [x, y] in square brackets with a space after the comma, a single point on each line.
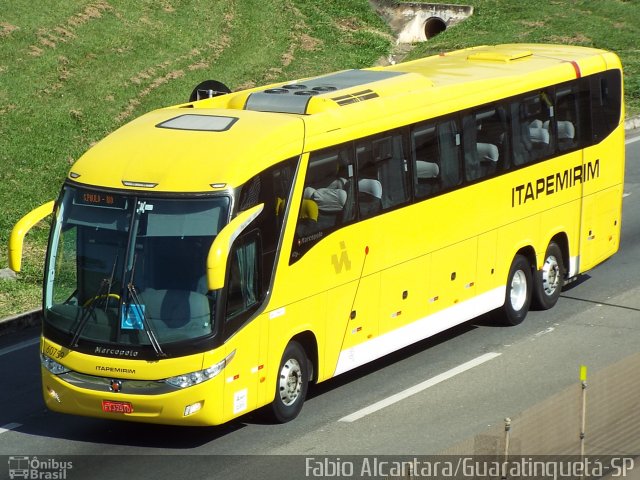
[163, 407]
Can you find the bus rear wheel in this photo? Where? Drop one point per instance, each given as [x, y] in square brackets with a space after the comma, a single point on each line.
[550, 278]
[291, 384]
[518, 294]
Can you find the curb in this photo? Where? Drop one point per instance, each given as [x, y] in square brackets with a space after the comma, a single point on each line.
[15, 323]
[632, 123]
[34, 317]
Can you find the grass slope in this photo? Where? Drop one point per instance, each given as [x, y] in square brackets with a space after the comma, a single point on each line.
[611, 25]
[75, 71]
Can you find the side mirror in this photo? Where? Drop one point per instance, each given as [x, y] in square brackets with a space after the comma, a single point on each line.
[221, 246]
[20, 230]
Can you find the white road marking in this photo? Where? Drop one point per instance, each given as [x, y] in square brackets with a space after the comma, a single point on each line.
[544, 332]
[8, 427]
[19, 346]
[419, 387]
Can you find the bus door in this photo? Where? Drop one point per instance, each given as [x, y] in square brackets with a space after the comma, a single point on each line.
[363, 292]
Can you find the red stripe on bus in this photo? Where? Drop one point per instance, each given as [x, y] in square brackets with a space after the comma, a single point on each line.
[576, 67]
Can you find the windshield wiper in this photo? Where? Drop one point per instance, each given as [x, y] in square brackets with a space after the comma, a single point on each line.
[137, 304]
[105, 286]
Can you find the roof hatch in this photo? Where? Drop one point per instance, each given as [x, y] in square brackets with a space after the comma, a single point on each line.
[493, 55]
[199, 122]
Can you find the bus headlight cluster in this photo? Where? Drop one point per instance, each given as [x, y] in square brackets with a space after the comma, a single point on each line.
[53, 366]
[194, 378]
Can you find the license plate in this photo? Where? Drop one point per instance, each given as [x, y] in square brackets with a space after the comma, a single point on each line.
[110, 406]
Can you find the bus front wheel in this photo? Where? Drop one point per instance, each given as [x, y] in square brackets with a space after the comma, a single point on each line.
[291, 384]
[518, 294]
[550, 278]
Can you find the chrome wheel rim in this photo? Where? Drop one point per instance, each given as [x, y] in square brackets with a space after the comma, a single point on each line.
[551, 275]
[518, 293]
[290, 382]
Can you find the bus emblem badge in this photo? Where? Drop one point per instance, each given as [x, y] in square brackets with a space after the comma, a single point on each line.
[343, 261]
[115, 386]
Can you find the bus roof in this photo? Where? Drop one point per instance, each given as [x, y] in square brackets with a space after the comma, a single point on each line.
[227, 139]
[188, 150]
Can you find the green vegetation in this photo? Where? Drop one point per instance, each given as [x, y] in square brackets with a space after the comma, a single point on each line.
[74, 72]
[612, 25]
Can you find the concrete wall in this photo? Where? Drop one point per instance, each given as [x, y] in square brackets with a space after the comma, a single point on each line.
[414, 22]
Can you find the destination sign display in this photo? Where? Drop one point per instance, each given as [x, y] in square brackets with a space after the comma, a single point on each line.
[100, 199]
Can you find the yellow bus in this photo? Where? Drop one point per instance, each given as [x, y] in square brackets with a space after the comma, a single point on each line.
[215, 257]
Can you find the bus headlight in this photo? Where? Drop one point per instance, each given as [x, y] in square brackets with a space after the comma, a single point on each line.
[53, 366]
[194, 378]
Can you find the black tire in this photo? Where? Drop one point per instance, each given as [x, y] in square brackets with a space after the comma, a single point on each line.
[549, 279]
[291, 384]
[518, 293]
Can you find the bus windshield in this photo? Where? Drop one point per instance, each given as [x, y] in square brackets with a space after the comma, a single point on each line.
[131, 271]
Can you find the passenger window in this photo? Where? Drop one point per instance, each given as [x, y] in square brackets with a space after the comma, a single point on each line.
[436, 159]
[426, 161]
[369, 185]
[328, 185]
[533, 139]
[328, 199]
[382, 174]
[243, 290]
[605, 103]
[485, 142]
[571, 116]
[282, 178]
[271, 187]
[449, 141]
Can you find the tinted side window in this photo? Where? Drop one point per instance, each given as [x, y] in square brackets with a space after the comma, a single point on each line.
[282, 180]
[273, 188]
[531, 127]
[485, 139]
[382, 173]
[573, 129]
[244, 281]
[606, 92]
[328, 200]
[449, 141]
[436, 157]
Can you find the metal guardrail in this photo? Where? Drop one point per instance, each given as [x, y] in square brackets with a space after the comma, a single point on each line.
[596, 416]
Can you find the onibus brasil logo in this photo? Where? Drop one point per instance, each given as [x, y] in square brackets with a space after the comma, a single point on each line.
[40, 469]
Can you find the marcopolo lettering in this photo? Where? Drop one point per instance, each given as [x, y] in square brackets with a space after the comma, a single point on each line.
[554, 183]
[116, 352]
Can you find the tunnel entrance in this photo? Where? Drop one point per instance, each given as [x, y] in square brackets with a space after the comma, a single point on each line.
[433, 26]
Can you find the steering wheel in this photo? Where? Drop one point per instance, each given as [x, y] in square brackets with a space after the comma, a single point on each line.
[100, 297]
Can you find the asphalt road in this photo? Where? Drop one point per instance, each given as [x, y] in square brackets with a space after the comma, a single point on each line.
[418, 401]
